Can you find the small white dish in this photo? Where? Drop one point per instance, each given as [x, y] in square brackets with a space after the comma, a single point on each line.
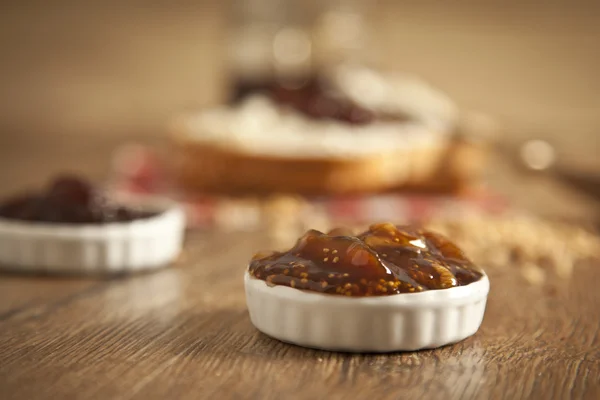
[400, 322]
[111, 248]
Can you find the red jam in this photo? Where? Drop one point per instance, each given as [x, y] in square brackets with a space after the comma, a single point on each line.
[315, 101]
[384, 260]
[69, 200]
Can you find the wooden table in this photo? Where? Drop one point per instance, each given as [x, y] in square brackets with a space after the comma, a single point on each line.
[184, 333]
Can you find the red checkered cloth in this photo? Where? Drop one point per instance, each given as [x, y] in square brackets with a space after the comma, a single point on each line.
[138, 170]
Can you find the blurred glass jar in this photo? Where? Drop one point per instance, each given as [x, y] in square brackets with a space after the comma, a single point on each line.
[287, 42]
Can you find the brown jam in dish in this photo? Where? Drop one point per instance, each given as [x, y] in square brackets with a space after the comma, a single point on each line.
[384, 260]
[69, 200]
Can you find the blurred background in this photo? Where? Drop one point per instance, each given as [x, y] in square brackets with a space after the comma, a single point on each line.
[73, 71]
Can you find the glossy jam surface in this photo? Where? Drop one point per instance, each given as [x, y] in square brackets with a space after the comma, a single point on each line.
[384, 260]
[69, 200]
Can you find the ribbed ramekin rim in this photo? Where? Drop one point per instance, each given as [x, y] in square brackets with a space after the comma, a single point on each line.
[430, 298]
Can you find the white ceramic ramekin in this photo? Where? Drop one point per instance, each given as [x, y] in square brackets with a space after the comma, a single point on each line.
[111, 248]
[402, 322]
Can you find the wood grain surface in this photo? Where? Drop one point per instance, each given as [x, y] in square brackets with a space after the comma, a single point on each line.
[184, 332]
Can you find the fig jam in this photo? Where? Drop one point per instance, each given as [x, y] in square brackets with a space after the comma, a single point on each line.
[385, 260]
[70, 200]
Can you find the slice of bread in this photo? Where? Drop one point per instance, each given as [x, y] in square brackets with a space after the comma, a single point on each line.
[261, 146]
[207, 166]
